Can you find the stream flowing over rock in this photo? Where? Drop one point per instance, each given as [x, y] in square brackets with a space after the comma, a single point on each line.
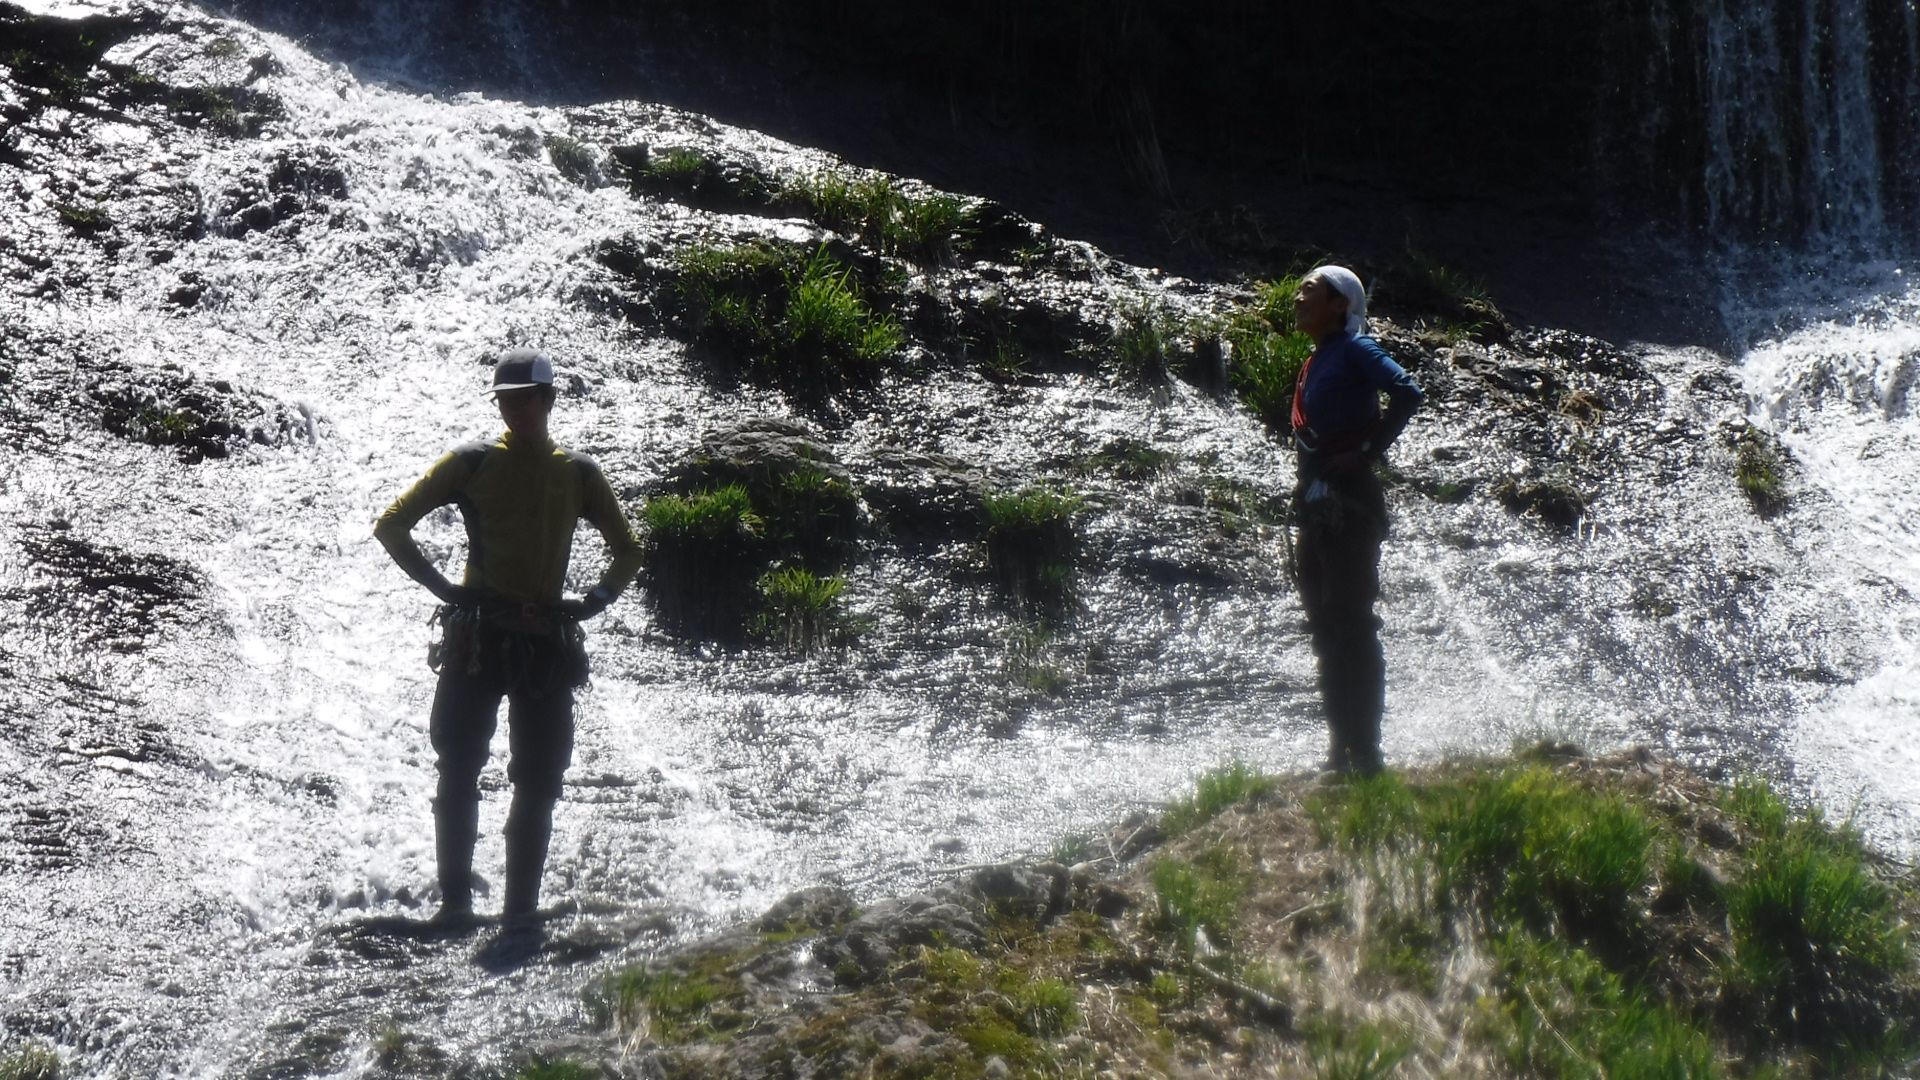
[246, 297]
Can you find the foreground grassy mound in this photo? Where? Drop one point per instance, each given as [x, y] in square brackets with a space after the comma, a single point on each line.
[1552, 918]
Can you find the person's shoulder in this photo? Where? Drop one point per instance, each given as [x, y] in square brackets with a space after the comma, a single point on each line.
[578, 460]
[469, 454]
[1370, 345]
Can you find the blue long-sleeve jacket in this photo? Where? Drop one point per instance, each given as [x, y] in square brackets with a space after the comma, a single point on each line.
[1342, 397]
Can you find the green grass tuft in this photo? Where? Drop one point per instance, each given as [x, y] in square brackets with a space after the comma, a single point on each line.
[707, 517]
[927, 229]
[32, 1063]
[1046, 1008]
[674, 1006]
[1129, 459]
[1268, 352]
[1757, 472]
[1142, 342]
[1536, 849]
[703, 555]
[686, 175]
[84, 218]
[574, 159]
[799, 322]
[1031, 542]
[1816, 936]
[1213, 793]
[1203, 894]
[800, 609]
[1456, 306]
[1574, 892]
[1567, 1015]
[1071, 849]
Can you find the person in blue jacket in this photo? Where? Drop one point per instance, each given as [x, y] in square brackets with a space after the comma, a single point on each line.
[1339, 431]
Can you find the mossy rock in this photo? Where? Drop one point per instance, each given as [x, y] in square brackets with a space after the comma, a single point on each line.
[1556, 502]
[692, 177]
[802, 493]
[912, 493]
[763, 493]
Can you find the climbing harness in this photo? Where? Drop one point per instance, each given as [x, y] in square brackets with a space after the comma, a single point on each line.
[537, 648]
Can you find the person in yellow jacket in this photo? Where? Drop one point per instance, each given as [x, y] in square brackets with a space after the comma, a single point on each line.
[508, 632]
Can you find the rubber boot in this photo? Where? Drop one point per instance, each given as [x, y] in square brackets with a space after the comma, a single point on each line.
[1353, 692]
[529, 828]
[456, 826]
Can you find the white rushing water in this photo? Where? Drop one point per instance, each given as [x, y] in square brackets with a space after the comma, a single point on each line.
[228, 796]
[1840, 395]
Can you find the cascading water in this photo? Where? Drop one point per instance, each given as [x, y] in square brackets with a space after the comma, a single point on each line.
[212, 688]
[1840, 394]
[1789, 121]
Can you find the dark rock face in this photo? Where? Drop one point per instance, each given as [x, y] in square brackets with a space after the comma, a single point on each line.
[756, 454]
[101, 594]
[202, 420]
[1616, 102]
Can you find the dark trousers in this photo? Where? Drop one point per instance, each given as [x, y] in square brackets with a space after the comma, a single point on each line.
[540, 736]
[1337, 563]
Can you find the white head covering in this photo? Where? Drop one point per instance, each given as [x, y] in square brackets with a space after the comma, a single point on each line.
[1347, 284]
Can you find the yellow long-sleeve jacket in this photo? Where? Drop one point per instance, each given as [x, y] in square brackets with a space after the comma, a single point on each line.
[520, 503]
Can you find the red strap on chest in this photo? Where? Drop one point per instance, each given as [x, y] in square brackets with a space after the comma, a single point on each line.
[1300, 394]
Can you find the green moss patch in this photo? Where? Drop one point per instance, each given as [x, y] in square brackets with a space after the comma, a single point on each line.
[1759, 461]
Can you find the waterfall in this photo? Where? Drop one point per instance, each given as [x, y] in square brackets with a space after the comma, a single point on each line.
[1786, 121]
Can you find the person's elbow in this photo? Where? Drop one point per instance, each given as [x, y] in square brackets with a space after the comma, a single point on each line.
[392, 533]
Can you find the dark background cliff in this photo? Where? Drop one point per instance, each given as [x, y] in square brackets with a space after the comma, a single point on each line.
[1534, 143]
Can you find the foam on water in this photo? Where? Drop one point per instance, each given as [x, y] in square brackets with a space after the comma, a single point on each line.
[1840, 395]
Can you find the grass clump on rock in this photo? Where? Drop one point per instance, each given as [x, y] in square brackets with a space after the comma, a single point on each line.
[1757, 470]
[1142, 343]
[1454, 305]
[703, 553]
[686, 175]
[575, 160]
[1613, 952]
[32, 1063]
[800, 322]
[1031, 542]
[928, 229]
[799, 608]
[85, 218]
[688, 1000]
[1817, 938]
[751, 536]
[1268, 352]
[1213, 793]
[1553, 500]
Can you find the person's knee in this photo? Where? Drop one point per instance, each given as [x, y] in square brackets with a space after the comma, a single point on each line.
[537, 792]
